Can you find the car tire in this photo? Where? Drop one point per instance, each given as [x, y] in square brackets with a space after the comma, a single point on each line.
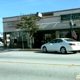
[44, 49]
[63, 50]
[74, 51]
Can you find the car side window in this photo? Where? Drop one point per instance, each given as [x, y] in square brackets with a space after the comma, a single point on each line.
[59, 40]
[52, 41]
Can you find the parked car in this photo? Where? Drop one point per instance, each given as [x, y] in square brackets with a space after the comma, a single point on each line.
[62, 45]
[1, 43]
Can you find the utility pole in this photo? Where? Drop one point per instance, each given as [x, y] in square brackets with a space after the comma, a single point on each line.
[71, 23]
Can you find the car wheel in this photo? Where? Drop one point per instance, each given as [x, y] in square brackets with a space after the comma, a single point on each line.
[74, 51]
[63, 50]
[44, 49]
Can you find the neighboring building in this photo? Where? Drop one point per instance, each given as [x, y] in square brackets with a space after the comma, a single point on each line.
[1, 37]
[52, 25]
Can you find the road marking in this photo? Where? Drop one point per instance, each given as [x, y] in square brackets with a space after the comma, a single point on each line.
[48, 64]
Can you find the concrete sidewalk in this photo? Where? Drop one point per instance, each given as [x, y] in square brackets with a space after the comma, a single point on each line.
[33, 49]
[20, 49]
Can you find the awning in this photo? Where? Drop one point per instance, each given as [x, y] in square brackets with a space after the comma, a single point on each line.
[57, 25]
[47, 26]
[66, 25]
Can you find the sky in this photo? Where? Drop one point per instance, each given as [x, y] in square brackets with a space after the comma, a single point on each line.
[10, 8]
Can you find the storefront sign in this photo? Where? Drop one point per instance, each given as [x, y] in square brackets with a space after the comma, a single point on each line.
[68, 16]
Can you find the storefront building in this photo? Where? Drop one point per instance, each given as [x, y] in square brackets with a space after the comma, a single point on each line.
[53, 24]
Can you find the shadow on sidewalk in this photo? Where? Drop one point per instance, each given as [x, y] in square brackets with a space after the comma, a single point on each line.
[58, 53]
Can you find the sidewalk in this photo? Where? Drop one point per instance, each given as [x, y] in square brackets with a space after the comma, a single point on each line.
[20, 49]
[33, 49]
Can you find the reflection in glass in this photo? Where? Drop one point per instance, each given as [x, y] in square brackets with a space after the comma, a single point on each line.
[65, 34]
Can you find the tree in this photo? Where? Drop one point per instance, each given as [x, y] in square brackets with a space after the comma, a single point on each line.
[28, 24]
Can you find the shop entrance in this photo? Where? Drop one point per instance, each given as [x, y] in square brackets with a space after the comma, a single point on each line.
[43, 37]
[38, 40]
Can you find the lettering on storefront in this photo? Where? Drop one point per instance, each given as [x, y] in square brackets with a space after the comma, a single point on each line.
[68, 16]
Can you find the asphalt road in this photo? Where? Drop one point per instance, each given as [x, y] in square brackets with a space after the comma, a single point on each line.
[29, 65]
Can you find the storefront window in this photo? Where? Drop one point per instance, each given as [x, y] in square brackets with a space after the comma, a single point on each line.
[14, 37]
[47, 37]
[64, 34]
[19, 39]
[53, 35]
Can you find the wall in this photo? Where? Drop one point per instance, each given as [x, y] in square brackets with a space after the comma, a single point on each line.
[53, 19]
[9, 25]
[11, 18]
[58, 13]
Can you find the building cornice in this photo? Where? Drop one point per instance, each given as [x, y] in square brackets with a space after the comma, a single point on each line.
[46, 13]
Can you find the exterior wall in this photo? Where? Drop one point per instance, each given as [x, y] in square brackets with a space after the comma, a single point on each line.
[10, 22]
[9, 29]
[11, 19]
[9, 26]
[58, 13]
[57, 34]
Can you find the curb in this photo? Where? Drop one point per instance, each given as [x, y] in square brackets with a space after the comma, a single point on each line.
[29, 49]
[5, 50]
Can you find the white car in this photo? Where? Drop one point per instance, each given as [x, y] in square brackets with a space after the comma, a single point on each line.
[1, 42]
[62, 45]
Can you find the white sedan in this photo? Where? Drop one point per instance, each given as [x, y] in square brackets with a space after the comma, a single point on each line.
[1, 43]
[62, 45]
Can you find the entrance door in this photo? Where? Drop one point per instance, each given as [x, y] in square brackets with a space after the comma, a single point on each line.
[38, 38]
[51, 45]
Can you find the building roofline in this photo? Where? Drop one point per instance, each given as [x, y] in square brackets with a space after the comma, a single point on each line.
[14, 16]
[63, 10]
[67, 10]
[47, 12]
[10, 17]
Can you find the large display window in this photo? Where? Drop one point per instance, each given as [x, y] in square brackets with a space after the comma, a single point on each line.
[65, 34]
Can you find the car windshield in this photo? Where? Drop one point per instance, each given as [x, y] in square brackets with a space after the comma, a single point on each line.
[70, 40]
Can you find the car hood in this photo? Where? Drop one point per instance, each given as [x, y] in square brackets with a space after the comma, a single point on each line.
[45, 44]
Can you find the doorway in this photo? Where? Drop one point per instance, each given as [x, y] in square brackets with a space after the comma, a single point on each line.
[38, 39]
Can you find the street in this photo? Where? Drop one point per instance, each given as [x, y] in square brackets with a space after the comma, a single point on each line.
[31, 65]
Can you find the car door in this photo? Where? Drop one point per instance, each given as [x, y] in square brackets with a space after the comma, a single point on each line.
[58, 44]
[51, 45]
